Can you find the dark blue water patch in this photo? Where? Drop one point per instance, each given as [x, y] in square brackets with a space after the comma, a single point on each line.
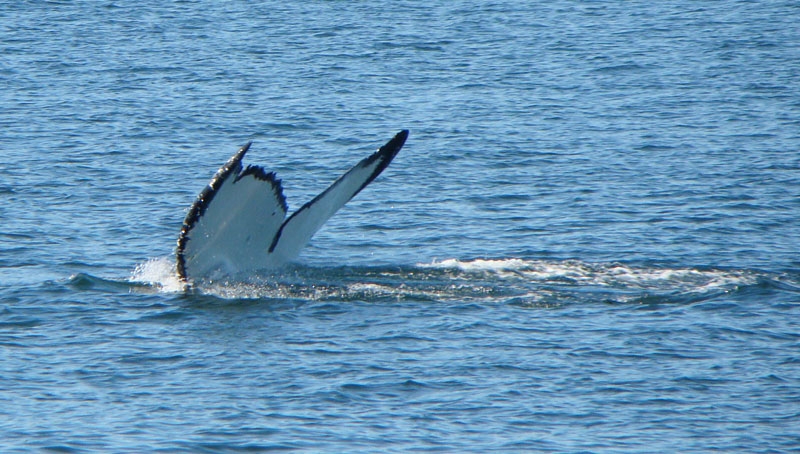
[12, 318]
[165, 315]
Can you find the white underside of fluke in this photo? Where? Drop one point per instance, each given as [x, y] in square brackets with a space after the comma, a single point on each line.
[238, 223]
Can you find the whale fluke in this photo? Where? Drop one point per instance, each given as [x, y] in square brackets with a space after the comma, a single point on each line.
[238, 223]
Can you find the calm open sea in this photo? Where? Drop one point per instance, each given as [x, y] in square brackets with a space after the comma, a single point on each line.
[589, 243]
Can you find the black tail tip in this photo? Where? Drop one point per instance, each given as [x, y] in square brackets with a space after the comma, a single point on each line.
[397, 141]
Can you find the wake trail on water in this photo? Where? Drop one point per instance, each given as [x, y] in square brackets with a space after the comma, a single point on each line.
[505, 280]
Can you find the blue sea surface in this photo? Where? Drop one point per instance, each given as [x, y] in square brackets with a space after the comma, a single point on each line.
[590, 242]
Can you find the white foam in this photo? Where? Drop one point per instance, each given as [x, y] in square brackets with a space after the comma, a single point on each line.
[158, 272]
[602, 274]
[478, 264]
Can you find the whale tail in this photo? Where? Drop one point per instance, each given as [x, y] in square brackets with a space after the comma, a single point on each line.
[238, 223]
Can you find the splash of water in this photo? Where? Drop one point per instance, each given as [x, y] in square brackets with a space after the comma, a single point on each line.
[160, 273]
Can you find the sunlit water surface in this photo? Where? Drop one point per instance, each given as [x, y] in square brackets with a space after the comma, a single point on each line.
[589, 242]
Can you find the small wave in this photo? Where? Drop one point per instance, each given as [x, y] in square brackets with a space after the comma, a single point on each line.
[154, 275]
[84, 281]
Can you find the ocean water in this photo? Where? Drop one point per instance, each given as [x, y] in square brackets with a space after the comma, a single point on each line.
[589, 242]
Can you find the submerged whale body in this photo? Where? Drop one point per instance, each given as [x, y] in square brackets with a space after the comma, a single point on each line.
[238, 223]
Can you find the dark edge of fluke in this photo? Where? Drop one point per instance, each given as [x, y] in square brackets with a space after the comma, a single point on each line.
[385, 153]
[233, 166]
[259, 173]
